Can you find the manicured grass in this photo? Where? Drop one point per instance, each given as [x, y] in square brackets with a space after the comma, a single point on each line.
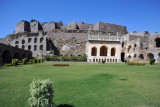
[85, 84]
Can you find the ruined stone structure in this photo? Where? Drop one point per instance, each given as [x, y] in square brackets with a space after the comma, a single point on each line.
[105, 42]
[7, 53]
[127, 48]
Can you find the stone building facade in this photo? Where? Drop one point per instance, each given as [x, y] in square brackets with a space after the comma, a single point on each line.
[35, 42]
[125, 48]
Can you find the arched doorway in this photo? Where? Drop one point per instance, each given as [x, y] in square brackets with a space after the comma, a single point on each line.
[113, 52]
[6, 57]
[16, 55]
[122, 56]
[150, 55]
[103, 51]
[141, 56]
[94, 51]
[157, 40]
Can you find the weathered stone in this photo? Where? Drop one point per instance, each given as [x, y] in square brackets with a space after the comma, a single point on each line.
[47, 27]
[35, 26]
[22, 26]
[72, 26]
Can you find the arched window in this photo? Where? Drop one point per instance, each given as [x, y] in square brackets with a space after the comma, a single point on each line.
[41, 40]
[17, 42]
[29, 47]
[150, 55]
[94, 51]
[23, 47]
[135, 47]
[135, 56]
[35, 47]
[113, 52]
[157, 40]
[29, 40]
[103, 51]
[6, 57]
[141, 56]
[122, 56]
[129, 56]
[35, 40]
[129, 48]
[122, 44]
[41, 47]
[23, 41]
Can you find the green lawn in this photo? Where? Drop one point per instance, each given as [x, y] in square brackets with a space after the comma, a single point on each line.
[85, 84]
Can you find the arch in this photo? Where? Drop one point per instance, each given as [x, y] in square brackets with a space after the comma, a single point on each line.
[122, 44]
[29, 40]
[17, 42]
[141, 56]
[103, 51]
[16, 55]
[129, 48]
[129, 56]
[23, 47]
[159, 54]
[16, 46]
[135, 55]
[41, 40]
[29, 47]
[150, 55]
[6, 55]
[35, 47]
[94, 51]
[35, 40]
[135, 45]
[41, 47]
[122, 56]
[157, 40]
[113, 51]
[23, 41]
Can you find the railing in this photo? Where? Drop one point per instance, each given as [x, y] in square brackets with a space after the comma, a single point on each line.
[104, 38]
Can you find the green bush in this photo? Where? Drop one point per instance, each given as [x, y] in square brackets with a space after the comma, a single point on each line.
[15, 62]
[35, 61]
[24, 61]
[42, 60]
[8, 65]
[41, 94]
[152, 61]
[38, 60]
[137, 63]
[65, 58]
[31, 61]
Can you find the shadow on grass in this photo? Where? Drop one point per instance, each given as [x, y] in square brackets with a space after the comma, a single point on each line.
[65, 105]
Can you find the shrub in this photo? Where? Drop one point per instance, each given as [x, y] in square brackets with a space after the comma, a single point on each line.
[31, 61]
[8, 65]
[38, 60]
[35, 61]
[15, 62]
[61, 65]
[152, 61]
[42, 60]
[41, 94]
[136, 63]
[24, 61]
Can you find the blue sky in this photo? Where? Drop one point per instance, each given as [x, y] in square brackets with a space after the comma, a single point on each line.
[137, 15]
